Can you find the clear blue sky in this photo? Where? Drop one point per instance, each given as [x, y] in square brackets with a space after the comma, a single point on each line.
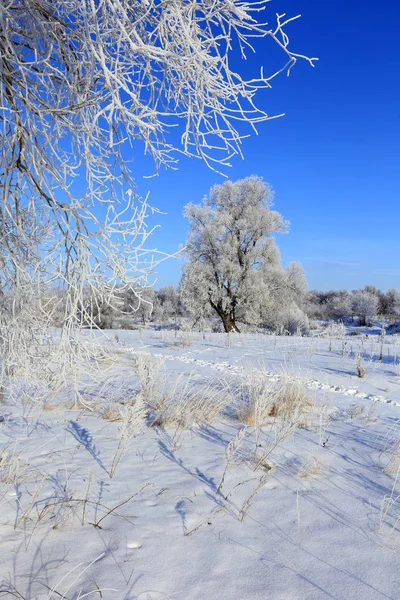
[333, 160]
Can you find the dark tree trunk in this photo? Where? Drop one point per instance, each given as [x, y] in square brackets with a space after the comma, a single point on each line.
[229, 324]
[228, 319]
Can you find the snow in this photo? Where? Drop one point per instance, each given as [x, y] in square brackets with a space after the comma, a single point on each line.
[321, 523]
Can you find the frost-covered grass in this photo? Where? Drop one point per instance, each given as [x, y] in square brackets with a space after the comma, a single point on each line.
[262, 467]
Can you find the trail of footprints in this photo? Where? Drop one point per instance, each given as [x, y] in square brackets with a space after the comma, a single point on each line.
[313, 384]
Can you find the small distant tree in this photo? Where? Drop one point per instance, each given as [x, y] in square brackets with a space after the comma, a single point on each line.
[140, 303]
[230, 249]
[394, 302]
[102, 315]
[297, 282]
[371, 289]
[365, 306]
[315, 306]
[169, 304]
[389, 303]
[339, 306]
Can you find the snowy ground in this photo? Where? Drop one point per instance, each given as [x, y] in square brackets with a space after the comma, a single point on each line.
[178, 519]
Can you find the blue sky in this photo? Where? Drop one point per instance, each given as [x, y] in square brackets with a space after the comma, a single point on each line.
[333, 160]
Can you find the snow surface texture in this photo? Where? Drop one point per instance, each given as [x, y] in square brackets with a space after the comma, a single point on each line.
[187, 515]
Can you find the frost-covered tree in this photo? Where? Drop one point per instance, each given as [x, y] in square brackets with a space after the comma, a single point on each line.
[315, 305]
[393, 297]
[339, 305]
[169, 304]
[232, 257]
[282, 299]
[297, 281]
[365, 306]
[389, 303]
[140, 303]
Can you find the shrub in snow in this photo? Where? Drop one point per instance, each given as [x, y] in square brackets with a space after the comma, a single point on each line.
[151, 373]
[393, 303]
[292, 321]
[169, 305]
[355, 410]
[365, 306]
[339, 306]
[360, 368]
[334, 331]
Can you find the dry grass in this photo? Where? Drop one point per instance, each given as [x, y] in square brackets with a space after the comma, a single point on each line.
[13, 464]
[111, 413]
[133, 417]
[151, 373]
[371, 416]
[263, 398]
[277, 404]
[256, 398]
[291, 397]
[179, 401]
[311, 468]
[182, 338]
[185, 339]
[186, 402]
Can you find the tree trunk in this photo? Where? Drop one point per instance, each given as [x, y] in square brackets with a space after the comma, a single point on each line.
[227, 319]
[229, 324]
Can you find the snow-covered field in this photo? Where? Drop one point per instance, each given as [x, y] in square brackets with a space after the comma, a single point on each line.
[207, 504]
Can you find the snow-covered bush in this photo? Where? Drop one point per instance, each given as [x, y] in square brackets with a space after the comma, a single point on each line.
[151, 374]
[169, 305]
[389, 303]
[365, 306]
[339, 306]
[292, 321]
[334, 331]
